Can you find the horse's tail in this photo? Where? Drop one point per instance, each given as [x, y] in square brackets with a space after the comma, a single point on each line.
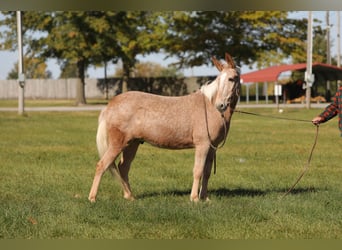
[101, 136]
[102, 144]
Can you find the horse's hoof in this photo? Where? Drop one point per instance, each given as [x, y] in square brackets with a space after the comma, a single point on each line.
[92, 199]
[195, 199]
[129, 198]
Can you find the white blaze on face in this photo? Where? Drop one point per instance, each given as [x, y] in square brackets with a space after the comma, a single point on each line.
[223, 88]
[222, 79]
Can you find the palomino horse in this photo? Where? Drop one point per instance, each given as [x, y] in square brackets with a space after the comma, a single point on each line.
[199, 120]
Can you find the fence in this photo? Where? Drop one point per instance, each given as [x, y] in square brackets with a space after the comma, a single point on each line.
[99, 88]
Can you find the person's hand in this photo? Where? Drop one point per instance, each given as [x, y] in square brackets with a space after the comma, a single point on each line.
[317, 120]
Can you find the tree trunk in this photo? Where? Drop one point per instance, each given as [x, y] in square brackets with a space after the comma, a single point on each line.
[126, 75]
[124, 84]
[80, 85]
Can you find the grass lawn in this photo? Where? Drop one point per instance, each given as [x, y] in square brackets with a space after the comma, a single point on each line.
[48, 162]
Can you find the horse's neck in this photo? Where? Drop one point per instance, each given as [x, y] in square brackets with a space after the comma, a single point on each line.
[209, 90]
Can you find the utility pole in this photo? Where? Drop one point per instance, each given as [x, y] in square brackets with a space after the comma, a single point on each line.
[21, 75]
[308, 73]
[338, 44]
[328, 37]
[328, 93]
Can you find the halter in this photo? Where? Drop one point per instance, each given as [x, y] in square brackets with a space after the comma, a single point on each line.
[235, 91]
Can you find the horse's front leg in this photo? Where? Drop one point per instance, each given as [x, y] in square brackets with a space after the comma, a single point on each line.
[206, 175]
[201, 153]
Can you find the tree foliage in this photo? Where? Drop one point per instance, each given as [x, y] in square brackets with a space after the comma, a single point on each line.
[264, 37]
[137, 33]
[73, 38]
[87, 38]
[150, 69]
[68, 70]
[34, 68]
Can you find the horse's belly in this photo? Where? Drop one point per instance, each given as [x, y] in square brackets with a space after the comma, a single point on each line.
[160, 130]
[171, 144]
[168, 138]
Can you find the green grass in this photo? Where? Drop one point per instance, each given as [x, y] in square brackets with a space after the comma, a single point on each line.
[48, 163]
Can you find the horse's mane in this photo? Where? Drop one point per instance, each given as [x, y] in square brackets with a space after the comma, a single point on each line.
[209, 90]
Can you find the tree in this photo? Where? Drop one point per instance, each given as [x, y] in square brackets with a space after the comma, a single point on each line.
[299, 53]
[68, 70]
[88, 38]
[73, 38]
[34, 69]
[137, 33]
[250, 36]
[149, 69]
[67, 36]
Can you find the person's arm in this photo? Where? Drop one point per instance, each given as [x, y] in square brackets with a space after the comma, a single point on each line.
[330, 111]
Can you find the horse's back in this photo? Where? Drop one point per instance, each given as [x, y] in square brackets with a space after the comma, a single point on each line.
[134, 100]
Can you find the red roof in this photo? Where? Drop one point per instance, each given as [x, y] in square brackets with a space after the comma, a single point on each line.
[271, 74]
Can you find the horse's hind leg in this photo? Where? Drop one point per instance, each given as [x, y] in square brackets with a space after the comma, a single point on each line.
[127, 157]
[107, 160]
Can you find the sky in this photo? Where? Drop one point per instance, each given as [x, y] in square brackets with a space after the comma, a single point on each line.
[7, 58]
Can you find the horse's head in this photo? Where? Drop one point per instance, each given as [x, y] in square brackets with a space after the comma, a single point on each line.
[228, 84]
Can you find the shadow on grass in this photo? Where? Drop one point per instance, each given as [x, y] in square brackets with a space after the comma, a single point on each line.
[215, 192]
[225, 192]
[237, 192]
[297, 191]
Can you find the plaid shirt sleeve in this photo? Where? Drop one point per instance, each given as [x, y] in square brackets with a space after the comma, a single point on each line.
[335, 108]
[330, 111]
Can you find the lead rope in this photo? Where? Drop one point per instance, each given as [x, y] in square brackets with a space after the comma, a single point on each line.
[207, 127]
[270, 116]
[306, 168]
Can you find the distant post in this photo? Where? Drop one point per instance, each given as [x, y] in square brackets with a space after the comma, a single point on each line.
[247, 93]
[257, 93]
[105, 79]
[277, 93]
[266, 92]
[21, 75]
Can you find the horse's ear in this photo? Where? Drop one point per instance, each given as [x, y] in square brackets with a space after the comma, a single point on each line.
[218, 65]
[230, 61]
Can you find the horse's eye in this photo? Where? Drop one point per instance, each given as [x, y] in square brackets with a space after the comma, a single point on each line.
[231, 79]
